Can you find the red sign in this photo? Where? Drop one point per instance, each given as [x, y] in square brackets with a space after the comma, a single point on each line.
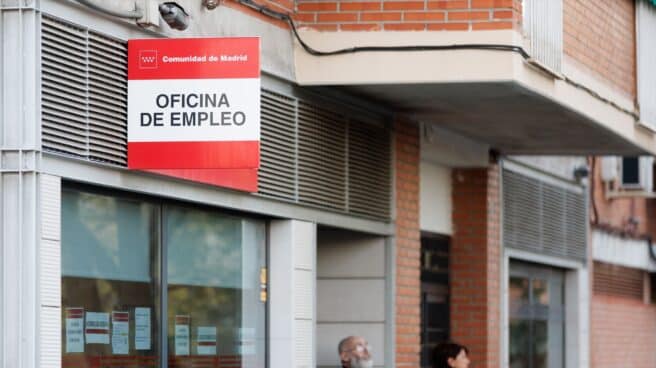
[194, 109]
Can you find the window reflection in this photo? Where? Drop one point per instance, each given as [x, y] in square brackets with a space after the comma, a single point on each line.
[213, 289]
[540, 291]
[109, 277]
[536, 326]
[112, 285]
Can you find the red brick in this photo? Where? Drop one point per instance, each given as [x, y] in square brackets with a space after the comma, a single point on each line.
[423, 16]
[360, 27]
[602, 40]
[478, 15]
[458, 4]
[476, 4]
[474, 256]
[360, 6]
[408, 245]
[306, 17]
[504, 14]
[448, 27]
[492, 25]
[622, 332]
[255, 14]
[403, 5]
[321, 6]
[336, 17]
[378, 16]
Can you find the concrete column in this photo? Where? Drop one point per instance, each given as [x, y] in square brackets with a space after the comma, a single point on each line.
[19, 184]
[292, 290]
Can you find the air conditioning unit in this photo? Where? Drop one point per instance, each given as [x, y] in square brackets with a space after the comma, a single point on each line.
[628, 176]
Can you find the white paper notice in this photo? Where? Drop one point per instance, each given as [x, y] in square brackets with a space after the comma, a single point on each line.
[142, 328]
[120, 332]
[74, 330]
[206, 342]
[97, 328]
[182, 335]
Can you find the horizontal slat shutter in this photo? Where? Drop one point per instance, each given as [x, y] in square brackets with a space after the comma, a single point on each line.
[321, 157]
[618, 281]
[311, 153]
[107, 99]
[64, 88]
[369, 170]
[543, 218]
[277, 174]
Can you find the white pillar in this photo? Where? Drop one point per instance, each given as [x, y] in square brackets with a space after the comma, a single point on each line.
[19, 161]
[292, 290]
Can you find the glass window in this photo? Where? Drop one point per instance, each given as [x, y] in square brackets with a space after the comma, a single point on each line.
[214, 310]
[434, 294]
[535, 303]
[112, 285]
[110, 299]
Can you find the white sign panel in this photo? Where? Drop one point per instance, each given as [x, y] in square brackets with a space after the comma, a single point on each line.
[206, 341]
[142, 328]
[182, 335]
[120, 332]
[74, 330]
[97, 328]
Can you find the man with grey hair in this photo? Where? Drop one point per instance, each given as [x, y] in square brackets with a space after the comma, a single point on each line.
[354, 352]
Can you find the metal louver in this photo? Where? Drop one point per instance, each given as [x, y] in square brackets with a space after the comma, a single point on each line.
[617, 280]
[321, 156]
[369, 169]
[310, 153]
[108, 100]
[277, 174]
[84, 93]
[313, 155]
[543, 218]
[64, 88]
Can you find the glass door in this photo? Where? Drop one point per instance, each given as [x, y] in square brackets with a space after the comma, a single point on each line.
[215, 309]
[536, 316]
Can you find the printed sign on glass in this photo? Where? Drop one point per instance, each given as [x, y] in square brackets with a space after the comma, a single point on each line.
[74, 330]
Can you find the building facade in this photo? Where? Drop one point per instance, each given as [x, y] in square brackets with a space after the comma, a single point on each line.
[423, 176]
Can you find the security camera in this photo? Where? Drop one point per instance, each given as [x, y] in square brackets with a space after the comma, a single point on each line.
[174, 15]
[581, 172]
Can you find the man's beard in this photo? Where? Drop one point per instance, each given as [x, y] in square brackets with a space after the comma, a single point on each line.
[361, 363]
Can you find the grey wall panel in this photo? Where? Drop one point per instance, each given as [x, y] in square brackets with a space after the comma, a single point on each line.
[351, 292]
[346, 300]
[347, 255]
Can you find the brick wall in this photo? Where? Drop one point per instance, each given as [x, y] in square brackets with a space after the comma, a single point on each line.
[408, 245]
[623, 333]
[409, 15]
[600, 36]
[475, 263]
[614, 214]
[283, 6]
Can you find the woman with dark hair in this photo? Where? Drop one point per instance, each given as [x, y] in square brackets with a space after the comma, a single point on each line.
[450, 355]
